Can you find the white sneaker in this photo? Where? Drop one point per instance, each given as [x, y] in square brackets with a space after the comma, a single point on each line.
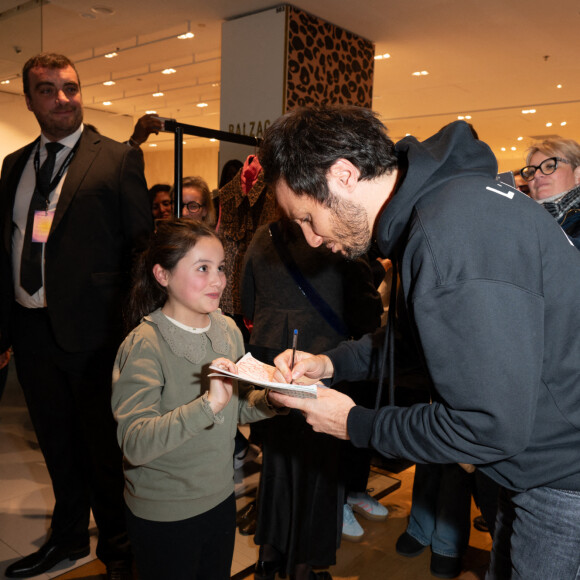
[367, 506]
[351, 529]
[250, 453]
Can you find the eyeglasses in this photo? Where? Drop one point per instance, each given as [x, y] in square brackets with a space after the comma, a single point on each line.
[547, 167]
[193, 206]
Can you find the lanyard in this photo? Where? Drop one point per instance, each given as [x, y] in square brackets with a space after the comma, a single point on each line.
[61, 170]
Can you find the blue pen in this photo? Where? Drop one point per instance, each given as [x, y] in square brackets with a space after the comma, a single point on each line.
[294, 343]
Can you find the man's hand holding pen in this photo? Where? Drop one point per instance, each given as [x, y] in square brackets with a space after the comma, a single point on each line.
[309, 368]
[328, 413]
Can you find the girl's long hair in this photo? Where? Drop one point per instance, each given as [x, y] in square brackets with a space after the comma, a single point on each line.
[168, 244]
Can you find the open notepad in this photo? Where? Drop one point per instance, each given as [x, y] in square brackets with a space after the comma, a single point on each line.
[251, 370]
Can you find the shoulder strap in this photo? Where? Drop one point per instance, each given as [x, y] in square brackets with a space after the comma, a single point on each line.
[305, 287]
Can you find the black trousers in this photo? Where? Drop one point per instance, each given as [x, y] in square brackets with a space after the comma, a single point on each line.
[198, 548]
[69, 400]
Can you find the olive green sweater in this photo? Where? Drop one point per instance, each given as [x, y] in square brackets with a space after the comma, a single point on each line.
[178, 455]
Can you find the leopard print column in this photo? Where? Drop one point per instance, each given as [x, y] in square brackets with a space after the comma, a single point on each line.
[326, 64]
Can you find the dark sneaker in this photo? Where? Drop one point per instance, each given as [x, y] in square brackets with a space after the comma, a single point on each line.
[408, 546]
[445, 566]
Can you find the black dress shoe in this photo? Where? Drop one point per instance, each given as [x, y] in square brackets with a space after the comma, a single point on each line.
[248, 528]
[480, 524]
[44, 559]
[246, 519]
[120, 570]
[247, 512]
[267, 570]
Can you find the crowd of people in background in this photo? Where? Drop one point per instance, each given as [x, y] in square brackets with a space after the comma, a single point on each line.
[480, 355]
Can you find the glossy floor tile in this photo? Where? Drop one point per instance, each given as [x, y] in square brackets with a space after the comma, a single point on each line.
[26, 502]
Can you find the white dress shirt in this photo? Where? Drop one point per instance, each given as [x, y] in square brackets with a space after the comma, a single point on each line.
[22, 201]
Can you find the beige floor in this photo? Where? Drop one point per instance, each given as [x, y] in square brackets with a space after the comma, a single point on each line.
[26, 500]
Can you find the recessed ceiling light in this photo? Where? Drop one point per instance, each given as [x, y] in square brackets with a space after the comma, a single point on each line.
[6, 82]
[109, 83]
[513, 148]
[382, 56]
[111, 54]
[151, 112]
[159, 94]
[202, 105]
[421, 73]
[528, 111]
[186, 36]
[103, 10]
[168, 71]
[152, 144]
[558, 86]
[503, 148]
[563, 124]
[107, 103]
[548, 124]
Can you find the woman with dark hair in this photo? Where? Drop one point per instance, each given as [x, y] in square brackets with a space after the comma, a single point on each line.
[161, 201]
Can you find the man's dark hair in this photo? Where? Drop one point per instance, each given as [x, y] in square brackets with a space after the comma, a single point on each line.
[302, 145]
[45, 60]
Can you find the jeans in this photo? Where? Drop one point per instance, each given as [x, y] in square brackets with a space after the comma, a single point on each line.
[537, 536]
[441, 508]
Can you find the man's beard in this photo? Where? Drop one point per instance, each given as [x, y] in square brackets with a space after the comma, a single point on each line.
[59, 129]
[350, 227]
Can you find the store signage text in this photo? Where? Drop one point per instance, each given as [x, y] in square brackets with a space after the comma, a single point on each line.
[249, 128]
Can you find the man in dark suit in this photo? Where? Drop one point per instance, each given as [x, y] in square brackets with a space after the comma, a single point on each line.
[69, 234]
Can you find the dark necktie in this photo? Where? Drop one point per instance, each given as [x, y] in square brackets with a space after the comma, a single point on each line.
[31, 263]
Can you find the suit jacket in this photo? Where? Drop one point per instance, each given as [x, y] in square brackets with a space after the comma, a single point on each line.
[102, 218]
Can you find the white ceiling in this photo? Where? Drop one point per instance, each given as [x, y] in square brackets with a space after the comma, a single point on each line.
[487, 59]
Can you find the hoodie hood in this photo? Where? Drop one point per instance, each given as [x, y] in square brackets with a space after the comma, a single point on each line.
[424, 166]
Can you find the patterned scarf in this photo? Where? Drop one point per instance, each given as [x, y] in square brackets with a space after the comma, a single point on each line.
[560, 206]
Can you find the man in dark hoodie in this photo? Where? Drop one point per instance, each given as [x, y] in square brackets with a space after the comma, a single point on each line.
[489, 286]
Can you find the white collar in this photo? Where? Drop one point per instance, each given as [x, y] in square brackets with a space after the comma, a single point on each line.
[69, 141]
[188, 328]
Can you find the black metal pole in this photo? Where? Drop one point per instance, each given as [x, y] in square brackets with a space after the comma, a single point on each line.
[178, 171]
[173, 125]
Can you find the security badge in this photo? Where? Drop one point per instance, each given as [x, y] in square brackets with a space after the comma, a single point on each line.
[41, 226]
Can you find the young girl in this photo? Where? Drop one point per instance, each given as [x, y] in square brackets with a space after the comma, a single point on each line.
[176, 426]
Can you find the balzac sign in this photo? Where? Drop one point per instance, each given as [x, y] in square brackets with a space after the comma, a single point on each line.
[250, 128]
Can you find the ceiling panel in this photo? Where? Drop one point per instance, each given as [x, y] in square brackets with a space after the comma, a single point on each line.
[485, 59]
